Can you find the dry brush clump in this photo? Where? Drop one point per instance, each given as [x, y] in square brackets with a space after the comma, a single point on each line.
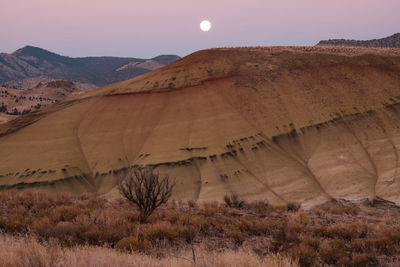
[28, 252]
[332, 233]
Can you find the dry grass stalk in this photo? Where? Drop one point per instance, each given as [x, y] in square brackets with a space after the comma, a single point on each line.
[25, 252]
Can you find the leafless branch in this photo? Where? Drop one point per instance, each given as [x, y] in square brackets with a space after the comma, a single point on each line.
[144, 188]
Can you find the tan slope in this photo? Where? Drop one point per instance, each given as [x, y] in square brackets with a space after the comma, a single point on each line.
[21, 100]
[281, 124]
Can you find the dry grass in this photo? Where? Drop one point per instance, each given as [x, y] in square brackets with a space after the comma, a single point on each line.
[25, 252]
[336, 233]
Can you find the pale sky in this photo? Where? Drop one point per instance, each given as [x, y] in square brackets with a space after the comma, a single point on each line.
[152, 27]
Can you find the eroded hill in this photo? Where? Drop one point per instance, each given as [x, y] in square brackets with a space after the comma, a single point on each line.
[280, 124]
[16, 101]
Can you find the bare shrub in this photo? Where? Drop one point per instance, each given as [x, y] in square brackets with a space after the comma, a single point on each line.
[305, 255]
[144, 189]
[14, 223]
[291, 206]
[333, 251]
[161, 230]
[132, 243]
[237, 236]
[192, 203]
[189, 233]
[387, 240]
[66, 233]
[209, 212]
[261, 208]
[280, 237]
[361, 260]
[253, 226]
[310, 241]
[65, 213]
[42, 227]
[170, 215]
[233, 201]
[339, 208]
[341, 231]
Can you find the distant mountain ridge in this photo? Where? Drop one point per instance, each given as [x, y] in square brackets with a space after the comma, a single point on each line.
[30, 61]
[388, 42]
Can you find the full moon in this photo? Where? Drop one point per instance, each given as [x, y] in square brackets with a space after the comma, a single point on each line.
[205, 25]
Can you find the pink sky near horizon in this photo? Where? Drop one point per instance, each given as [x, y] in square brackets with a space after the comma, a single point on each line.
[153, 27]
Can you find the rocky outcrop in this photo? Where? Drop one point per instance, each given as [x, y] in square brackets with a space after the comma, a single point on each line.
[388, 42]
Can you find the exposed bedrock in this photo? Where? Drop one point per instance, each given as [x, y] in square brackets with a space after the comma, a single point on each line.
[279, 124]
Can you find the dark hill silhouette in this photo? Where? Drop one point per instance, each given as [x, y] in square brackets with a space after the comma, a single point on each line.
[388, 42]
[32, 61]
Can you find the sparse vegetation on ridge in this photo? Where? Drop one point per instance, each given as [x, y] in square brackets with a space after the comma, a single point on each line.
[336, 233]
[392, 41]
